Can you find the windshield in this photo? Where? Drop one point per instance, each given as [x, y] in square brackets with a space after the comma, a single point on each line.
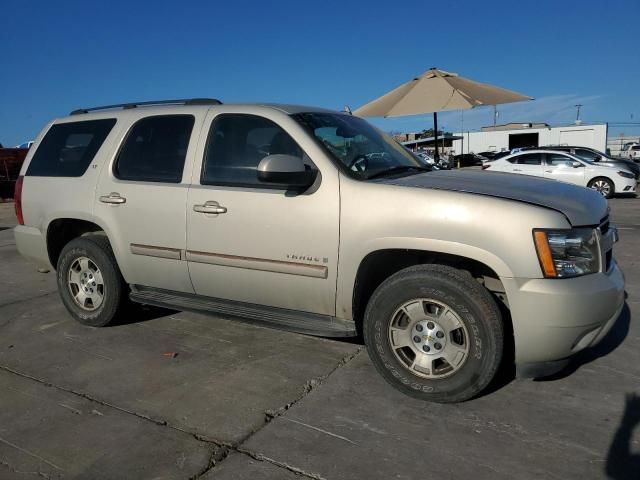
[362, 149]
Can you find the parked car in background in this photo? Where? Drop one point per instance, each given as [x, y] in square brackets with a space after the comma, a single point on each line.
[11, 160]
[595, 156]
[565, 167]
[468, 160]
[632, 153]
[26, 145]
[252, 211]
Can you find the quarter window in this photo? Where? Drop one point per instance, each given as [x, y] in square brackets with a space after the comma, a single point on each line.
[68, 149]
[155, 149]
[236, 145]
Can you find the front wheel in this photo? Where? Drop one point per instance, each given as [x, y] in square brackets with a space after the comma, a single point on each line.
[434, 333]
[603, 186]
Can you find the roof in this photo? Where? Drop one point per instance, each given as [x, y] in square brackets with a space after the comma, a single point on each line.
[431, 139]
[196, 102]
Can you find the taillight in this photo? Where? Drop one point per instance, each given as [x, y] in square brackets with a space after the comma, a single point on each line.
[17, 198]
[485, 166]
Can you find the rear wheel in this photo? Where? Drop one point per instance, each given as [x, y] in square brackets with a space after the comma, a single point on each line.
[434, 333]
[603, 186]
[89, 281]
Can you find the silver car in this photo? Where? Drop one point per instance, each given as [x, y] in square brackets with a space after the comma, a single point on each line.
[314, 221]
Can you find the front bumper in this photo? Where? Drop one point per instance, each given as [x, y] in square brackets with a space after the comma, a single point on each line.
[554, 319]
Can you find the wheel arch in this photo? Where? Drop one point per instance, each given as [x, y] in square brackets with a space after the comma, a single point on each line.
[60, 231]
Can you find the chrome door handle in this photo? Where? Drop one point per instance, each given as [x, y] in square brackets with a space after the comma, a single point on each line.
[113, 198]
[210, 207]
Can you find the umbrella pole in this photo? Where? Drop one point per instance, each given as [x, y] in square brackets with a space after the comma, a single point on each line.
[435, 132]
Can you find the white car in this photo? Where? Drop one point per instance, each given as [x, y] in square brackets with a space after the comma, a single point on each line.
[565, 167]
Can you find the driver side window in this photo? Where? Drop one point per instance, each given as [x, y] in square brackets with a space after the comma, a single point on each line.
[236, 145]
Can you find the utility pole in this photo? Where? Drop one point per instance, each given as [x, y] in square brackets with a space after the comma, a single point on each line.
[578, 113]
[495, 115]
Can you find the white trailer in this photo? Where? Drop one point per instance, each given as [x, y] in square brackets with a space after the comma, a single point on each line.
[593, 136]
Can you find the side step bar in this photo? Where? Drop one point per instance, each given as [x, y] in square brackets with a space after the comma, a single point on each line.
[274, 317]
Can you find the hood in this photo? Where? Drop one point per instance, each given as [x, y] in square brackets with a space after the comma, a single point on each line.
[581, 206]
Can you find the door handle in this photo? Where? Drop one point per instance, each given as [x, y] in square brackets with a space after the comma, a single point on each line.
[210, 207]
[548, 171]
[113, 198]
[517, 170]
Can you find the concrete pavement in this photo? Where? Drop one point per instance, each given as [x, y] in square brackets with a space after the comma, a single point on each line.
[240, 401]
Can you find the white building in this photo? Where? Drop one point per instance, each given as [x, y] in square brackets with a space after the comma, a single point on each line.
[515, 135]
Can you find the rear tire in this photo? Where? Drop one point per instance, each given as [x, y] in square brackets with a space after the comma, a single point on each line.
[603, 186]
[434, 333]
[89, 281]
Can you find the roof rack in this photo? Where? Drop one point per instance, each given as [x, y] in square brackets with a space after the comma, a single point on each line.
[127, 106]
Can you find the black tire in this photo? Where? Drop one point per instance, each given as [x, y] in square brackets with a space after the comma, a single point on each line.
[98, 250]
[474, 306]
[610, 185]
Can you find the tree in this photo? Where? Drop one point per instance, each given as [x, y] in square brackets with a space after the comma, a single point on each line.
[429, 132]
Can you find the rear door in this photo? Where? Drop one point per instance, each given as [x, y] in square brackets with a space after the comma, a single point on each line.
[142, 194]
[560, 166]
[267, 245]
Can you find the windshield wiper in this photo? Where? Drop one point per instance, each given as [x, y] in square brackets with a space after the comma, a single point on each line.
[397, 169]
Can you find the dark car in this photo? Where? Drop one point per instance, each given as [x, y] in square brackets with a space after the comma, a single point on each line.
[468, 160]
[596, 156]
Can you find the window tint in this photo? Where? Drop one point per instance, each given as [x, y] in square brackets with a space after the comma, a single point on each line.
[558, 160]
[587, 155]
[68, 148]
[155, 149]
[528, 159]
[236, 145]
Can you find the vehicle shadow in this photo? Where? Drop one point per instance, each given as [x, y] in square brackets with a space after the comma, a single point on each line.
[609, 343]
[621, 463]
[137, 313]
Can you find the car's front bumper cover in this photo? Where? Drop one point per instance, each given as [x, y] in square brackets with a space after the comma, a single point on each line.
[554, 319]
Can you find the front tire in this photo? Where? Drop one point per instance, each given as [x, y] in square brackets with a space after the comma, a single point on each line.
[89, 281]
[434, 333]
[603, 186]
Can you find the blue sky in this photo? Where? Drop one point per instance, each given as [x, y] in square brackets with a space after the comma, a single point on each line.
[57, 56]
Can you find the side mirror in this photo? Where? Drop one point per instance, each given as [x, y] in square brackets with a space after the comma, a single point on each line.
[286, 170]
[576, 164]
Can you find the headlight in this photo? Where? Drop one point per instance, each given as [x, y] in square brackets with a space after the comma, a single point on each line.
[624, 174]
[567, 253]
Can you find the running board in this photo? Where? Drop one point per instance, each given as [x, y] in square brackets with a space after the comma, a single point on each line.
[274, 317]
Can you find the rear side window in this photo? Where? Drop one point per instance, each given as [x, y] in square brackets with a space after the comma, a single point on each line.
[68, 148]
[155, 149]
[527, 159]
[558, 160]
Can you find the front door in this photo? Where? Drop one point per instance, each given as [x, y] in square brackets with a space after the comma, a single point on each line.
[257, 243]
[141, 198]
[561, 167]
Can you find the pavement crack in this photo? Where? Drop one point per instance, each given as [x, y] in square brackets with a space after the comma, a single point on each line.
[308, 388]
[218, 454]
[318, 429]
[262, 458]
[38, 473]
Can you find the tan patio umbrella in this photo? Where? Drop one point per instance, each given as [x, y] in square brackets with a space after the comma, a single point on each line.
[437, 91]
